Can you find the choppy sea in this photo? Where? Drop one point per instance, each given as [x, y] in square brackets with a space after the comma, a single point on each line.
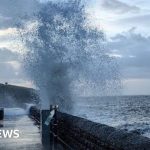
[131, 113]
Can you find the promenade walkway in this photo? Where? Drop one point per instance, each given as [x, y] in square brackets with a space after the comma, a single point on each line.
[29, 134]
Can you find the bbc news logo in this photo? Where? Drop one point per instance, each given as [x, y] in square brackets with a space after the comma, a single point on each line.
[9, 134]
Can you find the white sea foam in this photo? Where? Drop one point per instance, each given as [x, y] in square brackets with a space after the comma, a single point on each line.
[14, 111]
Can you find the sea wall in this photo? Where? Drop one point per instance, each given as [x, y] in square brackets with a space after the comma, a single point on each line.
[78, 133]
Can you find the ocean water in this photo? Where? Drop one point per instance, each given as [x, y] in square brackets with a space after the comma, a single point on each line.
[131, 113]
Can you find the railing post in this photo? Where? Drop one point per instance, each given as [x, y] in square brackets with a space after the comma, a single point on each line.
[1, 113]
[45, 134]
[55, 123]
[51, 130]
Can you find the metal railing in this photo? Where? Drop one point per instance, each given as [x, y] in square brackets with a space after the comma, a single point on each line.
[75, 133]
[34, 113]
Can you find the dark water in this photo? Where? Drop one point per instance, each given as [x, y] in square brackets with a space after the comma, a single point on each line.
[126, 112]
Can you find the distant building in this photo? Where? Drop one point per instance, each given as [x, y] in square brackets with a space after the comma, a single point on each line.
[6, 83]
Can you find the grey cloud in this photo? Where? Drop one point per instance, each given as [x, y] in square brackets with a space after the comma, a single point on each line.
[119, 7]
[138, 20]
[135, 72]
[9, 62]
[7, 71]
[7, 55]
[10, 74]
[12, 11]
[135, 50]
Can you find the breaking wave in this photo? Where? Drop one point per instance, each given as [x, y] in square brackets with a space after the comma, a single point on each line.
[65, 56]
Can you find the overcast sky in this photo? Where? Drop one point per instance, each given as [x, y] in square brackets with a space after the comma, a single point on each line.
[124, 22]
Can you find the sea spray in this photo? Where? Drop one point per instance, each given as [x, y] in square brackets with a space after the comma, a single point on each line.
[64, 52]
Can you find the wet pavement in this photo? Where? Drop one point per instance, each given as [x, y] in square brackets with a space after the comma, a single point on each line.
[29, 134]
